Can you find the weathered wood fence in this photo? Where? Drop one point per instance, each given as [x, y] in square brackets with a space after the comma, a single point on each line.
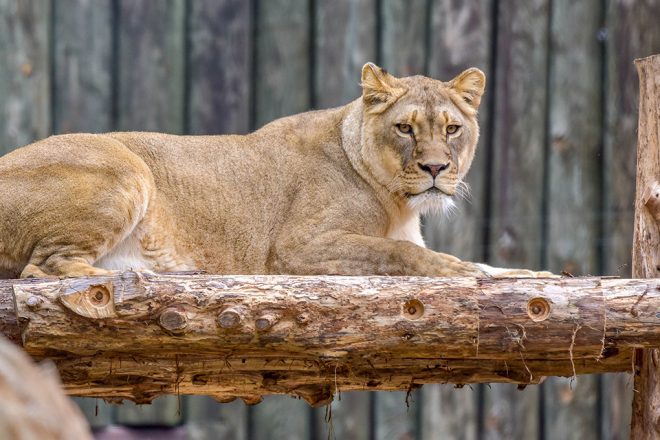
[552, 185]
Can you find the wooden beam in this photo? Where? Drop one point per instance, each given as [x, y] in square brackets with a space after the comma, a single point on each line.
[138, 335]
[646, 243]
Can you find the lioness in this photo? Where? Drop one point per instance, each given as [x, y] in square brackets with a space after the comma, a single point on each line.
[336, 191]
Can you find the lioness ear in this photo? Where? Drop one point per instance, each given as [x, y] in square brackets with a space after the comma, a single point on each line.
[470, 86]
[379, 88]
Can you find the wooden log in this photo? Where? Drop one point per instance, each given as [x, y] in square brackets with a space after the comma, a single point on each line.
[324, 334]
[646, 243]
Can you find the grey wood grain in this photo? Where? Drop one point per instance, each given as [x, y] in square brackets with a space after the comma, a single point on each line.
[345, 41]
[511, 414]
[449, 412]
[151, 66]
[570, 408]
[82, 66]
[283, 74]
[207, 419]
[220, 48]
[349, 418]
[280, 417]
[25, 113]
[519, 134]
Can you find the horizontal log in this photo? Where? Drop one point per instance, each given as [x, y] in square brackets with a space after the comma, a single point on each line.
[139, 335]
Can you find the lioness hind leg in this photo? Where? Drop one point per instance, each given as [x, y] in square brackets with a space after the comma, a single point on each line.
[62, 266]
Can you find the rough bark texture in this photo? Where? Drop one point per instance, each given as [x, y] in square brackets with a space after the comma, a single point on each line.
[33, 404]
[138, 336]
[646, 244]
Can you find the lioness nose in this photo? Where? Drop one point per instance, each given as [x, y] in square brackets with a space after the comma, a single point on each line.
[434, 169]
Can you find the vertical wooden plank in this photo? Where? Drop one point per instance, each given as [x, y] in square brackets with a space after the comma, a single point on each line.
[280, 417]
[151, 65]
[404, 33]
[348, 420]
[282, 80]
[97, 413]
[449, 413]
[573, 224]
[616, 395]
[220, 67]
[460, 37]
[282, 76]
[570, 408]
[396, 415]
[82, 66]
[163, 411]
[404, 25]
[511, 413]
[519, 135]
[575, 137]
[632, 32]
[150, 87]
[25, 105]
[219, 64]
[345, 40]
[208, 419]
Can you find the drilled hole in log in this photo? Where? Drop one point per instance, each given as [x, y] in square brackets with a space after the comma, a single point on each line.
[413, 309]
[99, 296]
[538, 309]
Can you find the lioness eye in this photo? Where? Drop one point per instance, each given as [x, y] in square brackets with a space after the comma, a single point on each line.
[404, 128]
[451, 129]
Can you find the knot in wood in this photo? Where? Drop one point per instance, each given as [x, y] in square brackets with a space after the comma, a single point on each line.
[303, 319]
[538, 309]
[173, 320]
[34, 302]
[229, 318]
[265, 322]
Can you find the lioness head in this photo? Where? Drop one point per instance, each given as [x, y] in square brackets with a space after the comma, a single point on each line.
[419, 135]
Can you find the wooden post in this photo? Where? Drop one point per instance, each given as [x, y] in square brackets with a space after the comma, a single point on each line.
[646, 244]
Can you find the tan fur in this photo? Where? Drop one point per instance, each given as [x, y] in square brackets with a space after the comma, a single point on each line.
[336, 191]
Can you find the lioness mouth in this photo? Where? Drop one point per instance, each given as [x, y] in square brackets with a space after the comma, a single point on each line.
[431, 190]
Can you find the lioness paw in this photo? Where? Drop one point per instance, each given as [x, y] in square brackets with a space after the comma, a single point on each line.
[502, 272]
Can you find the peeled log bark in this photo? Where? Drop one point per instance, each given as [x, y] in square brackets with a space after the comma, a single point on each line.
[139, 335]
[646, 243]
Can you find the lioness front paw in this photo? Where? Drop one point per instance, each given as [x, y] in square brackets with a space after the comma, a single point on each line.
[501, 272]
[458, 268]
